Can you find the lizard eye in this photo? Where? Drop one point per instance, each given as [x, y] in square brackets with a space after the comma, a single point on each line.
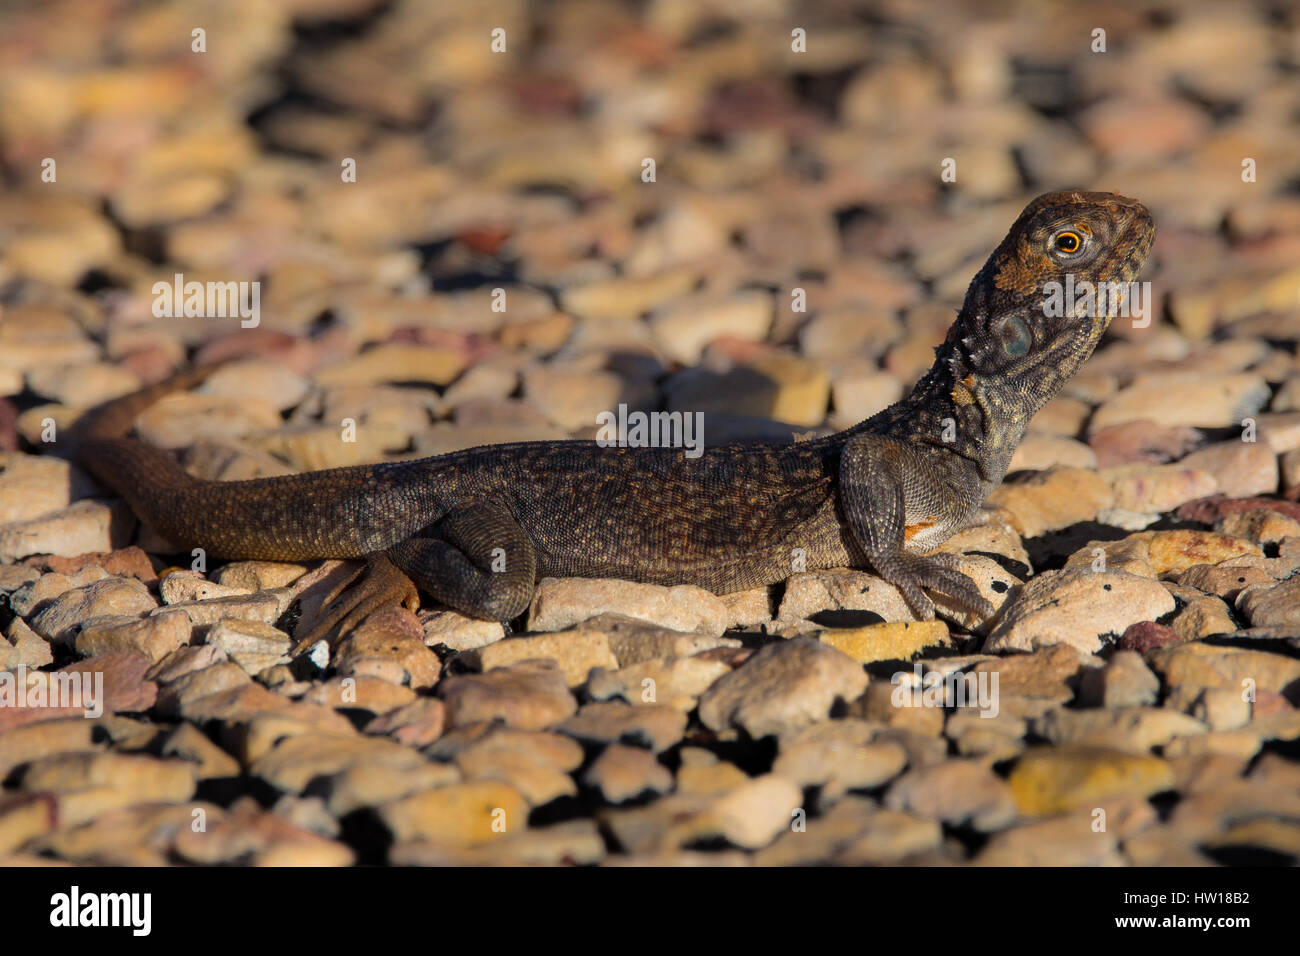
[1068, 242]
[1015, 336]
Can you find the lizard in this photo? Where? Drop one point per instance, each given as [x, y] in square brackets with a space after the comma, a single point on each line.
[477, 528]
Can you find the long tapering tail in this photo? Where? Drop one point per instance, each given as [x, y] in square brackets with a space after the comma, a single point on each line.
[114, 418]
[283, 518]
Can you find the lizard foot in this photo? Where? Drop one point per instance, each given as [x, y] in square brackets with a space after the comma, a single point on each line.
[376, 584]
[936, 572]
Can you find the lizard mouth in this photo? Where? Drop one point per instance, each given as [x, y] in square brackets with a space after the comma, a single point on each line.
[1131, 246]
[1117, 272]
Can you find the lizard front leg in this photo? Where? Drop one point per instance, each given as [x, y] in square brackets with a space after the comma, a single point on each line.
[891, 493]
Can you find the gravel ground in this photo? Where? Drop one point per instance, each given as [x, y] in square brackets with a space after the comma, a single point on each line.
[768, 216]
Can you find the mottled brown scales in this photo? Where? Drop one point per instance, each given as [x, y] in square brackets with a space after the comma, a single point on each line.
[477, 528]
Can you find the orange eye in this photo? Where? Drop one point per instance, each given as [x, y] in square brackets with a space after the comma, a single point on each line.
[1068, 242]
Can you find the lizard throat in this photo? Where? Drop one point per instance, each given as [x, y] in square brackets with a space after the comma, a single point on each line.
[982, 416]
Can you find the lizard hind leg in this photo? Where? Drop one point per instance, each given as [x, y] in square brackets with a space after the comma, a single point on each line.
[477, 560]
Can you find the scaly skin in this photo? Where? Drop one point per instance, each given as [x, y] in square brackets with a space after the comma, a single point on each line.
[477, 528]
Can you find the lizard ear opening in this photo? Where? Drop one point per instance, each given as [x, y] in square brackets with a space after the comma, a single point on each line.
[1014, 334]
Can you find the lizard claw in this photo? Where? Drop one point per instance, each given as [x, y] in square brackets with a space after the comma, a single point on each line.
[374, 585]
[936, 572]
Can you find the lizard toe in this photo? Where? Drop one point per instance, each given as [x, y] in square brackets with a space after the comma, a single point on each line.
[899, 572]
[963, 591]
[938, 573]
[376, 584]
[944, 559]
[957, 587]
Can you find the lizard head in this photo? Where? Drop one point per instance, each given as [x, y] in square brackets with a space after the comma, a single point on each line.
[1028, 320]
[1023, 330]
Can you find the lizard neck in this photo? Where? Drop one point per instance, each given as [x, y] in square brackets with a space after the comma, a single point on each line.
[976, 415]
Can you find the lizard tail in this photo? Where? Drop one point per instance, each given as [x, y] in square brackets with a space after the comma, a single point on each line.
[114, 418]
[280, 518]
[150, 479]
